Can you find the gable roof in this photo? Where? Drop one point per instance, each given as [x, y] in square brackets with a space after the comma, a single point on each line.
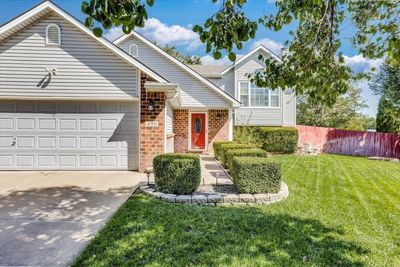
[252, 52]
[183, 66]
[42, 9]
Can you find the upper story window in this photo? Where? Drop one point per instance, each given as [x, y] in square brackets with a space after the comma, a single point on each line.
[133, 50]
[253, 96]
[53, 34]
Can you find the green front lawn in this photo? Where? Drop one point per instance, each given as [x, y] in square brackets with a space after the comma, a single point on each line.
[341, 211]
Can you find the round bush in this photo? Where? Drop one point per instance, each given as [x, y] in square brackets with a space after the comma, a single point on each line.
[177, 173]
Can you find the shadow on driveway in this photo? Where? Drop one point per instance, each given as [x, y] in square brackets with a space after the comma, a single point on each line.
[50, 226]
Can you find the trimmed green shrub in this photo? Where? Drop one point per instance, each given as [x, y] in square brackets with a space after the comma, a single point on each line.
[256, 175]
[253, 152]
[217, 147]
[176, 173]
[226, 147]
[279, 139]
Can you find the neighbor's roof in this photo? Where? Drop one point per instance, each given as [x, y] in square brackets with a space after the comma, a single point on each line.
[208, 71]
[17, 24]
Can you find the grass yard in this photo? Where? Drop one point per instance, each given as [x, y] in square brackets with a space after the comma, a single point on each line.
[341, 211]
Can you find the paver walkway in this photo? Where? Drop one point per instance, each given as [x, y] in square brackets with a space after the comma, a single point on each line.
[211, 171]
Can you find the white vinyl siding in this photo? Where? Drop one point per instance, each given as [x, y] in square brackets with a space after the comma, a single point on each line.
[169, 118]
[85, 68]
[194, 93]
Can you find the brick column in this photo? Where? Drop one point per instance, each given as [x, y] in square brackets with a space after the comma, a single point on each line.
[218, 126]
[181, 131]
[151, 138]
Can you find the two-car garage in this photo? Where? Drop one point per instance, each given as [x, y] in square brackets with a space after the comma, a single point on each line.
[69, 135]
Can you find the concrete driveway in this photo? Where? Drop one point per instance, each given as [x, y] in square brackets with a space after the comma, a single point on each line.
[47, 218]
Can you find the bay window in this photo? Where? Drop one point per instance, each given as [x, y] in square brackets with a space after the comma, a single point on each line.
[253, 96]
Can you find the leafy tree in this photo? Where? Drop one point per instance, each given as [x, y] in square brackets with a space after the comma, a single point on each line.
[187, 59]
[314, 66]
[387, 85]
[344, 114]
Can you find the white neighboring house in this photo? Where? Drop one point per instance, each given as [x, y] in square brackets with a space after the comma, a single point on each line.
[259, 106]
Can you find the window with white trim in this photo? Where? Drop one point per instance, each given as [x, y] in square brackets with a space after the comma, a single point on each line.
[53, 34]
[253, 96]
[133, 50]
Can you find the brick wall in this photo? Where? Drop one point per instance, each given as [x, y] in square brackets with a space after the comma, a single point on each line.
[151, 138]
[218, 129]
[181, 131]
[218, 126]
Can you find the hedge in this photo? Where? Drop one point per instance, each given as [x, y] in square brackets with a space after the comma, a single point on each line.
[226, 147]
[176, 173]
[279, 139]
[256, 175]
[253, 152]
[217, 147]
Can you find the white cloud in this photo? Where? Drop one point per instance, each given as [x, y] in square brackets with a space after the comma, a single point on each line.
[113, 34]
[361, 64]
[275, 47]
[224, 61]
[163, 34]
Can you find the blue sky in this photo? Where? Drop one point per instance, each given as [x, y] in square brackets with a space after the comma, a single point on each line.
[171, 21]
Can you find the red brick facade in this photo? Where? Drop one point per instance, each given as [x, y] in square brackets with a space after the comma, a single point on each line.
[181, 130]
[151, 138]
[218, 128]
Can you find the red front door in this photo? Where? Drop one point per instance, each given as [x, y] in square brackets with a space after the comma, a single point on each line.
[198, 129]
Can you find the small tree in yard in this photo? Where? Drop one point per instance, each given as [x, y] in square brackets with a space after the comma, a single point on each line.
[387, 85]
[344, 114]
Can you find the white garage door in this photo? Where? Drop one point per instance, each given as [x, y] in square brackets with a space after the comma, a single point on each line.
[37, 135]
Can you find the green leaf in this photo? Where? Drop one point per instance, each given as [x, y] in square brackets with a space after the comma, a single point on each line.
[217, 55]
[98, 32]
[197, 28]
[232, 56]
[150, 2]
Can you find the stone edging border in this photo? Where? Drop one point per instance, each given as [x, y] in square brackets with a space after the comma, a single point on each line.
[215, 199]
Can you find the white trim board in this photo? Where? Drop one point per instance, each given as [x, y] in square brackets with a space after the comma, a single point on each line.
[197, 75]
[47, 5]
[252, 52]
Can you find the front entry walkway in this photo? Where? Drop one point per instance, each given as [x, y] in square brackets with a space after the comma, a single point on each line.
[211, 171]
[47, 218]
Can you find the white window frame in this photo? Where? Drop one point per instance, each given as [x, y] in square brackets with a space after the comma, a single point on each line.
[47, 34]
[260, 107]
[137, 50]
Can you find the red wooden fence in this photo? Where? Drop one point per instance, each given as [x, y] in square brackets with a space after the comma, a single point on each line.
[345, 142]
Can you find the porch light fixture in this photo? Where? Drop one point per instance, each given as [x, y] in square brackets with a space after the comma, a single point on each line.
[151, 105]
[218, 116]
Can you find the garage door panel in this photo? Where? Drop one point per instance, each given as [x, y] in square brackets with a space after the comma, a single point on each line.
[6, 123]
[47, 124]
[6, 161]
[57, 136]
[25, 124]
[67, 161]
